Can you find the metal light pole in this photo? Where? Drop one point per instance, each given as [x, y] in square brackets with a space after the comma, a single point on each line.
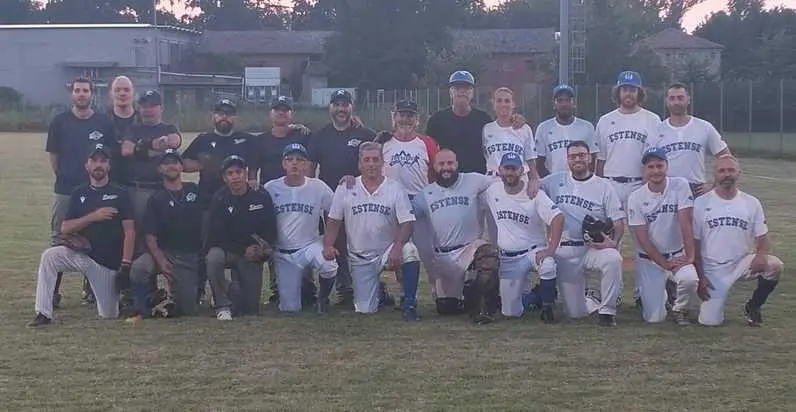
[563, 43]
[157, 38]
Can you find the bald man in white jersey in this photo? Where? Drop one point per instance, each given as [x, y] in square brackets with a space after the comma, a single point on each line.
[731, 231]
[660, 218]
[580, 193]
[453, 207]
[521, 223]
[378, 222]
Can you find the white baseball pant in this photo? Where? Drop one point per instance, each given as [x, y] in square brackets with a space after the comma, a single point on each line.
[722, 277]
[515, 280]
[62, 259]
[291, 266]
[366, 275]
[652, 288]
[452, 269]
[572, 263]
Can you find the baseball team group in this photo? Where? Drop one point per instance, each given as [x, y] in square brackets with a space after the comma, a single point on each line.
[483, 205]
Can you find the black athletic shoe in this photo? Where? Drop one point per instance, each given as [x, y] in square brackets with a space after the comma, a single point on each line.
[322, 306]
[39, 320]
[547, 314]
[345, 297]
[754, 317]
[56, 301]
[607, 320]
[385, 298]
[88, 298]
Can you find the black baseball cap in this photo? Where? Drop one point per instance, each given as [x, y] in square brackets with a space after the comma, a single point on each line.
[406, 106]
[99, 148]
[225, 106]
[171, 154]
[295, 148]
[233, 160]
[151, 97]
[281, 102]
[342, 95]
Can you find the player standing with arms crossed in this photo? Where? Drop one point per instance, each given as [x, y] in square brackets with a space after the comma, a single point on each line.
[521, 238]
[660, 217]
[732, 244]
[579, 193]
[299, 203]
[378, 220]
[554, 135]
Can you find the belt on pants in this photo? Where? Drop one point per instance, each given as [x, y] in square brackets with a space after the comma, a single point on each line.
[147, 185]
[624, 179]
[665, 255]
[446, 249]
[572, 243]
[512, 253]
[288, 251]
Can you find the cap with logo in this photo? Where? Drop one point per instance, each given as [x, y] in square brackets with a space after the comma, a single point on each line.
[281, 102]
[511, 159]
[629, 78]
[563, 88]
[342, 95]
[406, 106]
[657, 152]
[151, 97]
[99, 148]
[225, 106]
[295, 149]
[233, 160]
[171, 154]
[461, 77]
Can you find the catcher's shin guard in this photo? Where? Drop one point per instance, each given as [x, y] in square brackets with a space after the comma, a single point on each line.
[482, 298]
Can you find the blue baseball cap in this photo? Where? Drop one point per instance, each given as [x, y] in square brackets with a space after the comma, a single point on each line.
[629, 78]
[511, 159]
[461, 77]
[295, 148]
[657, 152]
[563, 88]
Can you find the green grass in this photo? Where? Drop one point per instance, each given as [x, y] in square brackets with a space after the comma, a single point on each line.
[350, 362]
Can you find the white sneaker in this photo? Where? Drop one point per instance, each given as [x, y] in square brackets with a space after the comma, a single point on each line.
[224, 314]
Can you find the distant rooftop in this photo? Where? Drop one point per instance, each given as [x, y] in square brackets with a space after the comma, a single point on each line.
[677, 39]
[95, 26]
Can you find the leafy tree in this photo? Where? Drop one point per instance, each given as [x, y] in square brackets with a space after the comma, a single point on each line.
[20, 12]
[238, 15]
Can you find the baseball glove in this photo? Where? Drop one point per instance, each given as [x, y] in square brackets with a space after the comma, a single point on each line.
[481, 295]
[265, 248]
[162, 304]
[73, 241]
[594, 229]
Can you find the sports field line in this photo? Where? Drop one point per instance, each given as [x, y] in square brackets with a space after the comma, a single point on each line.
[773, 179]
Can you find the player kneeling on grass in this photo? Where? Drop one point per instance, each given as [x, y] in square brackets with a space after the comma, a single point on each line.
[660, 217]
[587, 201]
[521, 238]
[97, 239]
[299, 203]
[173, 230]
[378, 222]
[731, 244]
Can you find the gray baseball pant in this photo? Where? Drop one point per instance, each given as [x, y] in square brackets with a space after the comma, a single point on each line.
[242, 293]
[183, 278]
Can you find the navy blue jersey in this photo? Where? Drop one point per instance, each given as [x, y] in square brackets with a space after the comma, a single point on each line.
[175, 218]
[219, 147]
[233, 219]
[337, 152]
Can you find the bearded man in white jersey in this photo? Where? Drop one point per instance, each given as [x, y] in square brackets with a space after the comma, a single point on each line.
[731, 231]
[579, 193]
[688, 140]
[299, 203]
[660, 217]
[554, 135]
[521, 223]
[378, 222]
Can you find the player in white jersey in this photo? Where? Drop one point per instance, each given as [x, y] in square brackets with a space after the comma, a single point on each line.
[660, 217]
[688, 140]
[521, 238]
[553, 135]
[453, 207]
[731, 231]
[378, 222]
[299, 203]
[580, 193]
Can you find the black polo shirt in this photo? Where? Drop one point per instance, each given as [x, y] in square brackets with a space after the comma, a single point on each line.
[337, 152]
[268, 156]
[463, 135]
[120, 165]
[219, 147]
[106, 237]
[175, 219]
[233, 219]
[143, 164]
[69, 137]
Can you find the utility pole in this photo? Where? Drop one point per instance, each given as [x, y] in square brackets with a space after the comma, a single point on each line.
[563, 43]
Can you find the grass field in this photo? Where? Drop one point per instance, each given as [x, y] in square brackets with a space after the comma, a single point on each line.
[349, 362]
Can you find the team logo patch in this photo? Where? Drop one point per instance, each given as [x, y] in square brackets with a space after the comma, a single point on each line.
[404, 159]
[238, 141]
[171, 203]
[95, 135]
[256, 206]
[354, 142]
[190, 197]
[82, 199]
[213, 144]
[109, 197]
[230, 209]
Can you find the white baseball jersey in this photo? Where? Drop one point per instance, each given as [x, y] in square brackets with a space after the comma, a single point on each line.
[371, 219]
[298, 210]
[409, 162]
[497, 141]
[552, 139]
[576, 199]
[622, 139]
[659, 212]
[727, 228]
[520, 220]
[453, 211]
[687, 146]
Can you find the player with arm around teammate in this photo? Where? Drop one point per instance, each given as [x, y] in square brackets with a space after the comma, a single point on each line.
[660, 217]
[299, 203]
[583, 197]
[378, 223]
[731, 231]
[521, 238]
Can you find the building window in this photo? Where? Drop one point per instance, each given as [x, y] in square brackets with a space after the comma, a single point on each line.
[90, 73]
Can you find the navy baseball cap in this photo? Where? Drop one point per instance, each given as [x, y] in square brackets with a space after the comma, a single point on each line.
[563, 88]
[511, 159]
[461, 77]
[151, 97]
[629, 78]
[657, 152]
[341, 95]
[406, 106]
[295, 148]
[281, 102]
[99, 148]
[233, 160]
[225, 106]
[171, 154]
